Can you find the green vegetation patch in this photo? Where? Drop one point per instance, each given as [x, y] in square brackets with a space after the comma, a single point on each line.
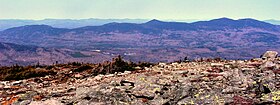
[79, 55]
[20, 72]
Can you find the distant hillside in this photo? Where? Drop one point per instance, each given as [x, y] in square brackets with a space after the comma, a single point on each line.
[11, 54]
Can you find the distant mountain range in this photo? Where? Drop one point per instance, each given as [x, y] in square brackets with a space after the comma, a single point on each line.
[155, 40]
[63, 23]
[76, 23]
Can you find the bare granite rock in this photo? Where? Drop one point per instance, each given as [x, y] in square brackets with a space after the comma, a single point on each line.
[199, 82]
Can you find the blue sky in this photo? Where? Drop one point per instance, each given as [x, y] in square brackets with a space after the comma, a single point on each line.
[139, 9]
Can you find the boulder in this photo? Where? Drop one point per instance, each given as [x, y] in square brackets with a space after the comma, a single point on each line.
[78, 76]
[16, 83]
[268, 64]
[217, 65]
[269, 55]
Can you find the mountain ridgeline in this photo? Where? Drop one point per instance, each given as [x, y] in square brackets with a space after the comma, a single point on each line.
[155, 41]
[150, 26]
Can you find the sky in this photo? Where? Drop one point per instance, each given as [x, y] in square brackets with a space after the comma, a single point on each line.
[139, 9]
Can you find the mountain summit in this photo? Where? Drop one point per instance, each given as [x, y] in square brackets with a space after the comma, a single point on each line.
[154, 21]
[226, 23]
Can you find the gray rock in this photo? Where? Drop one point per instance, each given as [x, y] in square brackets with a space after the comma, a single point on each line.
[47, 102]
[28, 95]
[269, 64]
[25, 102]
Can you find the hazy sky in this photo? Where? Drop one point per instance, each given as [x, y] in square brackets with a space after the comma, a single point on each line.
[143, 9]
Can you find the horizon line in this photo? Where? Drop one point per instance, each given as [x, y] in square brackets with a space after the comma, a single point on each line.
[132, 19]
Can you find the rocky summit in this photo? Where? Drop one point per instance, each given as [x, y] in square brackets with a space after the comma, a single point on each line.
[203, 81]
